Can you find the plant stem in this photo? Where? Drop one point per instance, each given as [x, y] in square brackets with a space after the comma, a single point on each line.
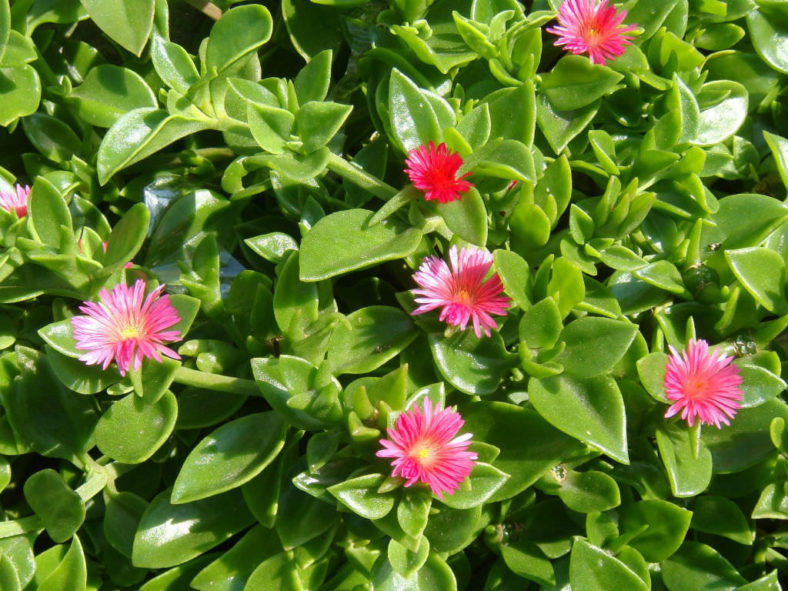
[360, 177]
[208, 8]
[212, 381]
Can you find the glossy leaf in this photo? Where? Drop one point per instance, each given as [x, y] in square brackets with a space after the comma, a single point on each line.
[230, 456]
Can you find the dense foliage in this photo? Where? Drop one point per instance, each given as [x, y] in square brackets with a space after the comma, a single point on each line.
[250, 156]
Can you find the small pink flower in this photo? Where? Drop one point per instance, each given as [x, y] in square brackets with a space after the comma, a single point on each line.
[589, 26]
[702, 384]
[461, 290]
[15, 200]
[425, 449]
[126, 326]
[434, 171]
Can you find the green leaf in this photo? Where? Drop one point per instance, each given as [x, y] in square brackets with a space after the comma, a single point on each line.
[529, 445]
[294, 300]
[21, 93]
[574, 82]
[52, 137]
[470, 364]
[595, 345]
[273, 246]
[560, 127]
[288, 379]
[758, 384]
[233, 454]
[53, 420]
[404, 561]
[122, 514]
[277, 573]
[153, 379]
[319, 122]
[173, 65]
[232, 569]
[314, 79]
[589, 491]
[768, 37]
[762, 273]
[593, 569]
[413, 511]
[270, 126]
[698, 566]
[689, 470]
[541, 325]
[312, 28]
[132, 429]
[128, 22]
[412, 118]
[435, 575]
[526, 560]
[241, 31]
[61, 510]
[514, 274]
[301, 517]
[137, 135]
[591, 410]
[651, 371]
[109, 92]
[371, 337]
[169, 535]
[484, 481]
[466, 217]
[360, 496]
[722, 517]
[722, 118]
[127, 236]
[342, 242]
[769, 582]
[70, 574]
[746, 441]
[664, 531]
[48, 212]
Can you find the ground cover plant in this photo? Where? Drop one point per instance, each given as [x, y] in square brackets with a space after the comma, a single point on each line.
[394, 295]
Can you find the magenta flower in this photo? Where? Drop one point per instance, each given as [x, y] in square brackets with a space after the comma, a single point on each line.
[425, 449]
[702, 384]
[592, 27]
[461, 290]
[126, 326]
[15, 200]
[434, 171]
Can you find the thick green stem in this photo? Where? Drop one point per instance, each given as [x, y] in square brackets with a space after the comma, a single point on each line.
[360, 177]
[212, 381]
[209, 9]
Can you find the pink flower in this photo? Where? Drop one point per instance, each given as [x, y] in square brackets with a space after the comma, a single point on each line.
[589, 26]
[16, 200]
[702, 384]
[461, 291]
[126, 326]
[434, 171]
[425, 449]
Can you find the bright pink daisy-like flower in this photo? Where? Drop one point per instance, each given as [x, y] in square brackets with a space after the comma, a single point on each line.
[126, 326]
[702, 384]
[592, 27]
[425, 448]
[434, 171]
[461, 289]
[15, 200]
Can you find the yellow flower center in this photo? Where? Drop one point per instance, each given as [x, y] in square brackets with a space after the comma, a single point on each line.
[130, 332]
[463, 296]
